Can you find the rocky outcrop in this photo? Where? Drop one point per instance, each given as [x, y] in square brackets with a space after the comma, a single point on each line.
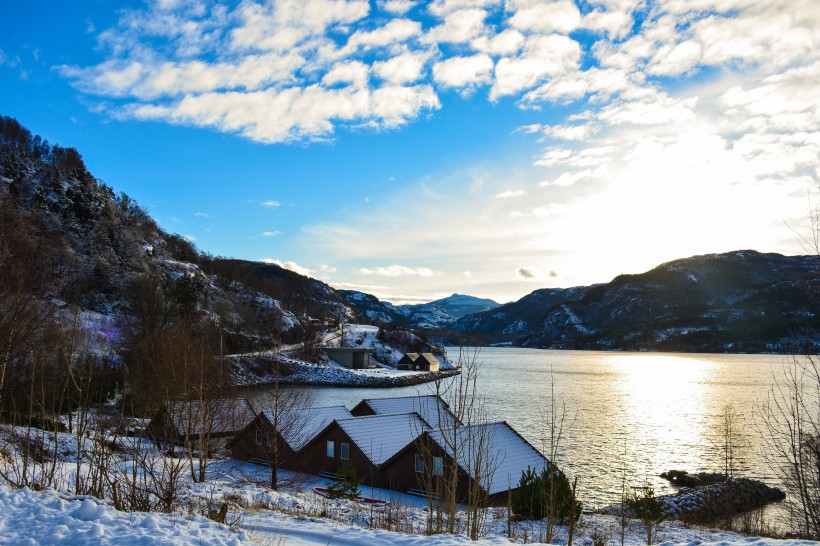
[685, 479]
[711, 502]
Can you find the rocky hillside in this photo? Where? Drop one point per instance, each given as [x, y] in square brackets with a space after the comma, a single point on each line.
[68, 238]
[742, 301]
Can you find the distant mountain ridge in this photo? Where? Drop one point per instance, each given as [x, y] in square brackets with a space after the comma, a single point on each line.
[426, 316]
[741, 301]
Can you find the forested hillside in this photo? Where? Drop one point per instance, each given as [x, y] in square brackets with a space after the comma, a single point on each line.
[89, 277]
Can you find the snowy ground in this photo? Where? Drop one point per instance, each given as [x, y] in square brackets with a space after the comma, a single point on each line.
[294, 515]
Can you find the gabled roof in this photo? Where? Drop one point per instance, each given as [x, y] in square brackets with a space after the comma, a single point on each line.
[408, 358]
[508, 451]
[431, 408]
[429, 357]
[221, 416]
[300, 426]
[382, 436]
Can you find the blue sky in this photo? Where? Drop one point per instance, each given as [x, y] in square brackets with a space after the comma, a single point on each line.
[412, 149]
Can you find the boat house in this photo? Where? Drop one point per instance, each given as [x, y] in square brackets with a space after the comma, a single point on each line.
[354, 358]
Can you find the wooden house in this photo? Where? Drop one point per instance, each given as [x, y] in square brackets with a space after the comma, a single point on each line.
[493, 455]
[179, 420]
[291, 429]
[435, 411]
[407, 361]
[367, 443]
[403, 444]
[425, 362]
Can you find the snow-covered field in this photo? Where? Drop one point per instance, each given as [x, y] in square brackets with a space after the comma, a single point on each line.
[294, 515]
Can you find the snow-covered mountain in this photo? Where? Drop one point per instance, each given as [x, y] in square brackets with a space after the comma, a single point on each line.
[742, 301]
[434, 315]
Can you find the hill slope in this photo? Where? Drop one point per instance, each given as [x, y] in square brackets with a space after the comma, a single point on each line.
[742, 301]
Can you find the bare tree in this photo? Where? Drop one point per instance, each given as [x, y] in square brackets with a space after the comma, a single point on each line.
[556, 421]
[286, 410]
[789, 426]
[465, 455]
[789, 420]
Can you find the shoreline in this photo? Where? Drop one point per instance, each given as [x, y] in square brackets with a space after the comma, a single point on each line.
[356, 381]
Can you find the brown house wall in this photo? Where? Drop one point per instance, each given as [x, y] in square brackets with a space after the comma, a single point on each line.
[362, 410]
[403, 468]
[245, 446]
[316, 461]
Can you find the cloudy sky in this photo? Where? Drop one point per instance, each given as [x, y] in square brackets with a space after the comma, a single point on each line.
[412, 149]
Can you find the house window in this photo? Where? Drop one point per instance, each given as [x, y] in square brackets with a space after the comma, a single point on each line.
[344, 452]
[259, 437]
[419, 463]
[438, 466]
[331, 448]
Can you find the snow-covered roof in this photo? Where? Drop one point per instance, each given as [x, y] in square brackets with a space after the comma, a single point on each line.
[221, 416]
[300, 426]
[509, 452]
[382, 436]
[431, 408]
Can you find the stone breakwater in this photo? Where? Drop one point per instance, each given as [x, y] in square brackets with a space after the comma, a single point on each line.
[712, 502]
[257, 371]
[720, 500]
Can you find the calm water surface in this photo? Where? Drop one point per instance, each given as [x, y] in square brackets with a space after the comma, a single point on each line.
[645, 412]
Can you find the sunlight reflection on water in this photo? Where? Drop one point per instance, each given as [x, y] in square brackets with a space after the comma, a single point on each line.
[661, 410]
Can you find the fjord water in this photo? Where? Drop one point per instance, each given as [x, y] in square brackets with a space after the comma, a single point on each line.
[642, 412]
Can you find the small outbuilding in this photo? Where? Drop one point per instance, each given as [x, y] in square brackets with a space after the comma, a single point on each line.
[407, 361]
[424, 362]
[354, 358]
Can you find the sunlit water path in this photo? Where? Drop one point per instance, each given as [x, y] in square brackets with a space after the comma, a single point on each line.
[647, 412]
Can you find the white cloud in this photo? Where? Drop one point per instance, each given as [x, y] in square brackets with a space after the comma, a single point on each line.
[507, 42]
[441, 8]
[543, 56]
[353, 72]
[571, 132]
[464, 71]
[296, 114]
[567, 178]
[271, 233]
[271, 204]
[401, 69]
[509, 193]
[189, 238]
[324, 268]
[575, 84]
[397, 7]
[559, 16]
[290, 266]
[397, 30]
[202, 215]
[396, 270]
[459, 27]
